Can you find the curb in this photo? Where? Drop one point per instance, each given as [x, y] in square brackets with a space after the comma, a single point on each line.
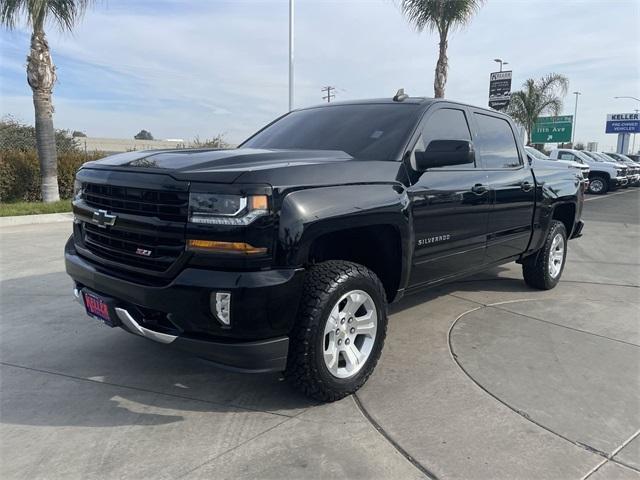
[35, 219]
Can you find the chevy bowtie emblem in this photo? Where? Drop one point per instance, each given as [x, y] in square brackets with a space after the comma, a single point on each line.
[103, 219]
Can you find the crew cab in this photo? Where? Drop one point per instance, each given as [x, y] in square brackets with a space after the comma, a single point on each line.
[603, 176]
[283, 254]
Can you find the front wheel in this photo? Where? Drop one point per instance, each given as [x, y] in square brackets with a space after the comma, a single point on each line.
[340, 330]
[544, 269]
[598, 185]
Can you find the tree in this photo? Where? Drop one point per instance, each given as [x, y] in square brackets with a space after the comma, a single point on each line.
[537, 97]
[41, 73]
[444, 16]
[78, 133]
[143, 135]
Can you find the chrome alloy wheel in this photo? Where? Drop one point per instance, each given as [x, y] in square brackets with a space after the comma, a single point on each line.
[556, 256]
[596, 185]
[350, 333]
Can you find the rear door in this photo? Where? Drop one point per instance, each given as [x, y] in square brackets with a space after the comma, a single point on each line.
[512, 187]
[450, 205]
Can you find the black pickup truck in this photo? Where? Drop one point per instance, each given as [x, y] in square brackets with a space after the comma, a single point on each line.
[282, 254]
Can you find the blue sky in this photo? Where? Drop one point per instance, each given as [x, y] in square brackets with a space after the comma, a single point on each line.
[183, 69]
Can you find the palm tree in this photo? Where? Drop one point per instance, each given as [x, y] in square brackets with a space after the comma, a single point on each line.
[538, 97]
[41, 73]
[443, 16]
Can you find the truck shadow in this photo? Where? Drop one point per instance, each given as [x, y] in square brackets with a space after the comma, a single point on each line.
[61, 368]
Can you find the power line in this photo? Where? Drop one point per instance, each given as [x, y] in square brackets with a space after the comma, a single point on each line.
[329, 96]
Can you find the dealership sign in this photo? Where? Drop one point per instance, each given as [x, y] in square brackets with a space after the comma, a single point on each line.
[552, 129]
[623, 123]
[499, 90]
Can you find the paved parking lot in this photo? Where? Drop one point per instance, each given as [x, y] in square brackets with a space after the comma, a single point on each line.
[483, 378]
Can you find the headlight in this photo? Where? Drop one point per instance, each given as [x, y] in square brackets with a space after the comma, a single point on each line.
[219, 209]
[619, 172]
[77, 190]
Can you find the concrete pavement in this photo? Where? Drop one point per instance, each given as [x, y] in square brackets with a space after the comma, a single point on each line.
[544, 386]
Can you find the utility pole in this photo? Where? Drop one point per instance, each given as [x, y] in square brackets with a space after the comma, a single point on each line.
[329, 96]
[575, 118]
[291, 54]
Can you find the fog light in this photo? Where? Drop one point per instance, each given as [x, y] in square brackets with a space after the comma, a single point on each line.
[221, 307]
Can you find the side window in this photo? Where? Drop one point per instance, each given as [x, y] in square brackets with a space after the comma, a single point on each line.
[567, 156]
[496, 143]
[444, 124]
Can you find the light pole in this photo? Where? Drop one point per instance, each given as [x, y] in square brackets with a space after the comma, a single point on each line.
[575, 118]
[499, 60]
[633, 147]
[291, 2]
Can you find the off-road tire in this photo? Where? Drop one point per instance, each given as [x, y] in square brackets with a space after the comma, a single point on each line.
[324, 284]
[599, 178]
[535, 269]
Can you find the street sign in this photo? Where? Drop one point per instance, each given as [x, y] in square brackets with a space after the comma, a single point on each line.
[499, 90]
[552, 129]
[623, 123]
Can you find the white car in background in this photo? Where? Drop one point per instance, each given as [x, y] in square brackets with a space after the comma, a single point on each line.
[633, 168]
[603, 176]
[537, 157]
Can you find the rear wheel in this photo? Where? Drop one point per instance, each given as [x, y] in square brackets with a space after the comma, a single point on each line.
[544, 269]
[340, 330]
[598, 184]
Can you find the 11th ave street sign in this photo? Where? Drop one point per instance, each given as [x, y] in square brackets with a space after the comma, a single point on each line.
[552, 129]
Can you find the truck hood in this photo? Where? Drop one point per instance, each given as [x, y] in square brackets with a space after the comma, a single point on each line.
[220, 166]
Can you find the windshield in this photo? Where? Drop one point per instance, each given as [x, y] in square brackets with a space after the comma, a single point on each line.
[592, 155]
[536, 153]
[619, 157]
[371, 131]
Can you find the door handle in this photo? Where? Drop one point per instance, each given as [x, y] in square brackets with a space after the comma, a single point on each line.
[479, 189]
[526, 186]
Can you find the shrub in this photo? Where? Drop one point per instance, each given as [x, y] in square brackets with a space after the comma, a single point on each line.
[20, 173]
[15, 135]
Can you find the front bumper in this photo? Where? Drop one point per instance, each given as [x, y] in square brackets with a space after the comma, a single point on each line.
[620, 181]
[263, 309]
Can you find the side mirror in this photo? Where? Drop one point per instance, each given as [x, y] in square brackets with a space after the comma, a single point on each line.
[444, 153]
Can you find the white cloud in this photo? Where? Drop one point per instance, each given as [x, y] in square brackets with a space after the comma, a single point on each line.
[222, 66]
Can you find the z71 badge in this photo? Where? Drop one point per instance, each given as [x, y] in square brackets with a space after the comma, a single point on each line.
[423, 242]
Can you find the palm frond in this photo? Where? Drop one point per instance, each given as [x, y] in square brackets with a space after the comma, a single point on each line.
[64, 13]
[441, 15]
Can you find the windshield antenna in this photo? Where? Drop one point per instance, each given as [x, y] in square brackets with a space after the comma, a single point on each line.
[400, 96]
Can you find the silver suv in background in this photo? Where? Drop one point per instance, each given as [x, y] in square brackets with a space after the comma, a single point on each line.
[603, 176]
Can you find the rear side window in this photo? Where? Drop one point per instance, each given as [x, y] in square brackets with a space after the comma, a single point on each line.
[496, 143]
[445, 124]
[567, 156]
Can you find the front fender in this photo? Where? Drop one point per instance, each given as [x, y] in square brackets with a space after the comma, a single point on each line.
[306, 215]
[555, 187]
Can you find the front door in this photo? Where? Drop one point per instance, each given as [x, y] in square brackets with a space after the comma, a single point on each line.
[512, 187]
[450, 205]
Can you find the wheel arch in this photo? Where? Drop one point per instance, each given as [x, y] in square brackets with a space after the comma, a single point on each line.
[365, 224]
